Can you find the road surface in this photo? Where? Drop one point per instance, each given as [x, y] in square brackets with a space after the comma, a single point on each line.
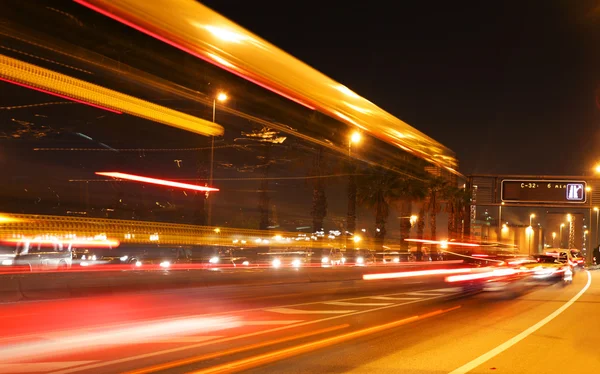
[394, 326]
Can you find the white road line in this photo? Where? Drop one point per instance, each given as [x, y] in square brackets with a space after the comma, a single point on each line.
[181, 339]
[267, 323]
[446, 290]
[347, 303]
[394, 298]
[39, 367]
[423, 293]
[300, 311]
[229, 339]
[514, 340]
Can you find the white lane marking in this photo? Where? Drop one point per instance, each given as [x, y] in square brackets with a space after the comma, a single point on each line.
[228, 339]
[446, 290]
[515, 339]
[181, 339]
[300, 311]
[348, 303]
[266, 323]
[116, 337]
[39, 367]
[423, 293]
[394, 298]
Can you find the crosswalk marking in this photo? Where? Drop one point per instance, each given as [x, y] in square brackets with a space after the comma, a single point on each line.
[394, 298]
[347, 303]
[300, 311]
[39, 367]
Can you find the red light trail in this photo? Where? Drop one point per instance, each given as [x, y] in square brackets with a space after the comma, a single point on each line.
[161, 182]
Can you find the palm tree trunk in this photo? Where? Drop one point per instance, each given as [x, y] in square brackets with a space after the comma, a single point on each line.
[452, 221]
[405, 225]
[263, 199]
[319, 202]
[380, 219]
[351, 218]
[420, 231]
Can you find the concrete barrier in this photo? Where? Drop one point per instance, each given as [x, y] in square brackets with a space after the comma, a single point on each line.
[54, 285]
[10, 289]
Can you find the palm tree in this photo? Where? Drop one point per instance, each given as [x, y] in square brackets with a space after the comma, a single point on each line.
[412, 190]
[451, 196]
[319, 200]
[380, 190]
[435, 191]
[420, 230]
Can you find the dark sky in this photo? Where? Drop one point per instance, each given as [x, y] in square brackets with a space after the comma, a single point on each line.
[508, 85]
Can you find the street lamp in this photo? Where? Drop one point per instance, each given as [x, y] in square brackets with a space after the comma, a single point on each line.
[529, 233]
[597, 211]
[354, 138]
[531, 217]
[562, 226]
[553, 237]
[221, 97]
[571, 231]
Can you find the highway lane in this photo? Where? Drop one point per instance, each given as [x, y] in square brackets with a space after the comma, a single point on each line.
[128, 331]
[418, 325]
[450, 342]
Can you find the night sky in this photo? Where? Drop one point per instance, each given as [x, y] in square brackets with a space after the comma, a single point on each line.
[508, 85]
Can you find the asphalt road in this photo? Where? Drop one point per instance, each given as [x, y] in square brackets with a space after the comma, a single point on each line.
[397, 326]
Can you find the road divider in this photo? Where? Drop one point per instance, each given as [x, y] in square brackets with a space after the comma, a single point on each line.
[54, 285]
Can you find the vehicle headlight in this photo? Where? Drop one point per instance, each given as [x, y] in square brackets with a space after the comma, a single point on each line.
[93, 257]
[83, 263]
[276, 263]
[246, 263]
[214, 260]
[83, 257]
[360, 260]
[296, 263]
[165, 264]
[7, 262]
[325, 260]
[343, 259]
[138, 263]
[124, 258]
[396, 259]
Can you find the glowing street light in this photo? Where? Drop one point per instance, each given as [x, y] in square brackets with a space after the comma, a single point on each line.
[413, 219]
[355, 137]
[504, 228]
[553, 238]
[221, 97]
[597, 168]
[531, 217]
[529, 232]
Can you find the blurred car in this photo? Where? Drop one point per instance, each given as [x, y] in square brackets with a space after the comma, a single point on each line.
[548, 268]
[359, 257]
[36, 254]
[394, 257]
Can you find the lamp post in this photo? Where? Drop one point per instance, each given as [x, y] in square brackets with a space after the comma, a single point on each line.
[529, 233]
[531, 217]
[355, 138]
[562, 226]
[221, 97]
[596, 233]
